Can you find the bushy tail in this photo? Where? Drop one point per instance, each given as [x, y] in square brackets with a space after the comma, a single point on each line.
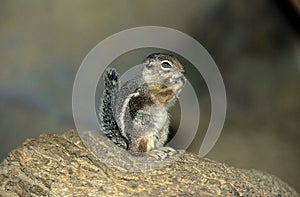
[108, 124]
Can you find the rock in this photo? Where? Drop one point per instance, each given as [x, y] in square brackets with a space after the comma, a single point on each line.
[53, 165]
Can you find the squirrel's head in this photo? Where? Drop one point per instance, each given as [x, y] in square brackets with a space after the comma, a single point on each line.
[163, 69]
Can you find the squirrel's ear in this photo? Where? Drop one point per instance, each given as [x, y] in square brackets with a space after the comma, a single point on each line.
[149, 65]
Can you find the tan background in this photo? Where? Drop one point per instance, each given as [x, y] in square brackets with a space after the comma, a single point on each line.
[255, 44]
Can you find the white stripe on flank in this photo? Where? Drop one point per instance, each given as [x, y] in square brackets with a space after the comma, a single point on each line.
[124, 110]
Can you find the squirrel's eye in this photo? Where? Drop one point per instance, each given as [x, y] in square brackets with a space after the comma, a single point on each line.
[165, 65]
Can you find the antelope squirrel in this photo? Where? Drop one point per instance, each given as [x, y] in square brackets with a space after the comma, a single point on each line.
[135, 116]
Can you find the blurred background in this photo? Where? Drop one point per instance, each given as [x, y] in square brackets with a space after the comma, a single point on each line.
[254, 43]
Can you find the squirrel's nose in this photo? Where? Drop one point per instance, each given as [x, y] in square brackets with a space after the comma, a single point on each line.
[180, 69]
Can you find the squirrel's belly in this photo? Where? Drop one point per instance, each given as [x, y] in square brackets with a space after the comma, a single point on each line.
[160, 117]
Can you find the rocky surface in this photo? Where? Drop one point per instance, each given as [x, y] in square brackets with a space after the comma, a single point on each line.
[53, 165]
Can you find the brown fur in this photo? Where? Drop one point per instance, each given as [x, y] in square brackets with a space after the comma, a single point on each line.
[161, 95]
[145, 144]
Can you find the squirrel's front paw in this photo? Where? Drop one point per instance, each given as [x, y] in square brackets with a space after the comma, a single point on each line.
[162, 153]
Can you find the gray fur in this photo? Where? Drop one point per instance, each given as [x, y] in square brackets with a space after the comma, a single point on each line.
[136, 114]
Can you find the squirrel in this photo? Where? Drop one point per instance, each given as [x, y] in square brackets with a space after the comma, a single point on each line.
[135, 116]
